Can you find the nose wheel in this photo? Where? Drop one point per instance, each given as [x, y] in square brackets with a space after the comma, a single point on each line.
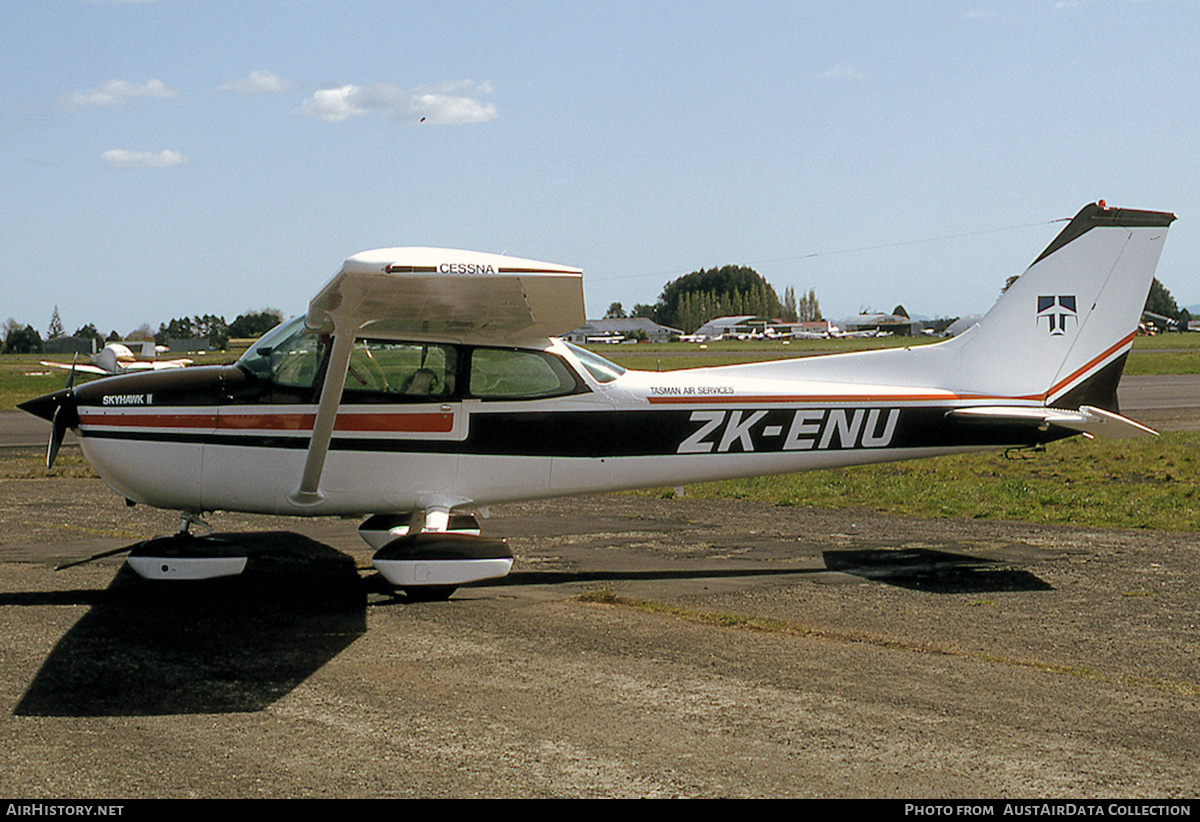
[187, 555]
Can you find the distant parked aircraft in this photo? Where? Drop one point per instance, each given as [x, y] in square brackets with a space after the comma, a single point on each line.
[117, 358]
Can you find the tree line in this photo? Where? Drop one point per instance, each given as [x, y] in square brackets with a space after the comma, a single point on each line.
[693, 299]
[685, 303]
[25, 339]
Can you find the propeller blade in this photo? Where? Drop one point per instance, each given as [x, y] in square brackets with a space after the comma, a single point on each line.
[58, 430]
[71, 374]
[60, 422]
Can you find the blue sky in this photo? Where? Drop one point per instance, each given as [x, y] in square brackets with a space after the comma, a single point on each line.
[179, 157]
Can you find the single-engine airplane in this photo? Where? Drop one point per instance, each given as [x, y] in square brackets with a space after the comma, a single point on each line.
[117, 358]
[424, 383]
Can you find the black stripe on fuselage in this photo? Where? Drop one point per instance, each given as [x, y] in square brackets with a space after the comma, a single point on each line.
[662, 433]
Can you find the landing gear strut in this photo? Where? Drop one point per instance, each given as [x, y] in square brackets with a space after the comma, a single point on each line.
[189, 518]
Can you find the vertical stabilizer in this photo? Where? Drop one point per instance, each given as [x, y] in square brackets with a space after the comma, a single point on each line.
[1062, 331]
[1057, 337]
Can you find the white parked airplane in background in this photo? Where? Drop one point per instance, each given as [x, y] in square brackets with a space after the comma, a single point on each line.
[427, 383]
[118, 358]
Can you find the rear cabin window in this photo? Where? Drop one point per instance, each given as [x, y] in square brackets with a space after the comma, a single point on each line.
[516, 374]
[601, 369]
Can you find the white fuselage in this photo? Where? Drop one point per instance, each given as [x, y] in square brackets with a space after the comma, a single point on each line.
[642, 429]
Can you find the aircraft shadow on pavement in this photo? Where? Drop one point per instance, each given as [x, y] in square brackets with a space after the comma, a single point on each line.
[208, 646]
[563, 577]
[926, 569]
[921, 569]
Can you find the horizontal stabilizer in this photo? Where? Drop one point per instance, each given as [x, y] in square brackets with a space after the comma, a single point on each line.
[1087, 420]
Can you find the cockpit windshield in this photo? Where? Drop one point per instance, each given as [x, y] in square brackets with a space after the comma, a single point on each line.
[288, 354]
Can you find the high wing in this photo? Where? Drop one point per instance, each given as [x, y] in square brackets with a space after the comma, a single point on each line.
[454, 295]
[434, 294]
[84, 367]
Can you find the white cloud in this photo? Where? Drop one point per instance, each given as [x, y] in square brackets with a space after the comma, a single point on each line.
[843, 71]
[118, 93]
[336, 104]
[452, 103]
[258, 82]
[124, 158]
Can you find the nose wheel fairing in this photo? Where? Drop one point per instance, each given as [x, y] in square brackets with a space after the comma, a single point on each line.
[186, 557]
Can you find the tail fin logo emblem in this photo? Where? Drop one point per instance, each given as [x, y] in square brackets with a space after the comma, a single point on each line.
[1056, 311]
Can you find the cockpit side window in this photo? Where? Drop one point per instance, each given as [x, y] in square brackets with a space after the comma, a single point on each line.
[294, 359]
[401, 372]
[291, 361]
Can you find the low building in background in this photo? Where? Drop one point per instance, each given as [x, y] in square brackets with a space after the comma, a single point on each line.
[70, 345]
[621, 329]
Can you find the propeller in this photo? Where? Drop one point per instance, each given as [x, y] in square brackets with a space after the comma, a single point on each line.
[62, 419]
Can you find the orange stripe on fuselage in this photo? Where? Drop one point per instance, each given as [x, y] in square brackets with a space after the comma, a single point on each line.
[150, 420]
[437, 423]
[801, 399]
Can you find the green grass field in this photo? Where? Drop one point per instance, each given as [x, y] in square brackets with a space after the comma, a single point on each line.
[1144, 483]
[23, 377]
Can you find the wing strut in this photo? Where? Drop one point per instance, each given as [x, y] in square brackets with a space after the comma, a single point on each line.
[345, 330]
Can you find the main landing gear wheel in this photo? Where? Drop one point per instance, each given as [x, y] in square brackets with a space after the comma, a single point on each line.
[429, 566]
